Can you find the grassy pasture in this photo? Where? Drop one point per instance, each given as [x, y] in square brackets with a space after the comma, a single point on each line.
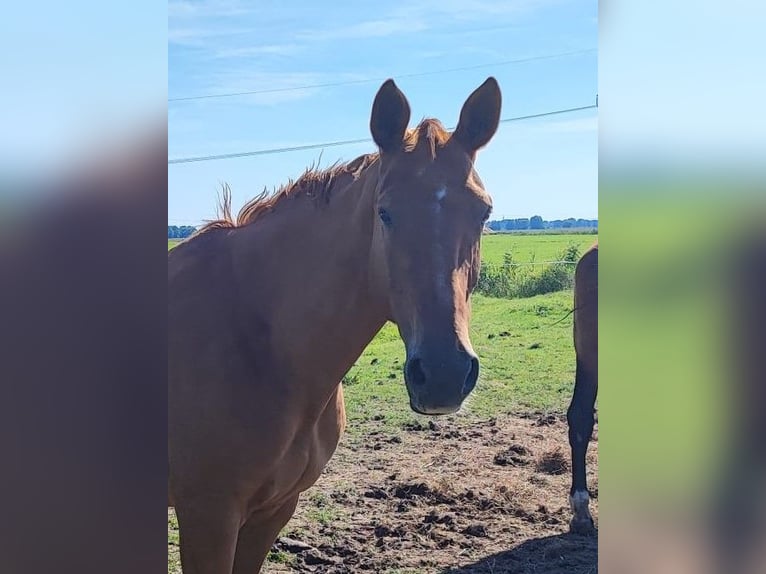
[527, 248]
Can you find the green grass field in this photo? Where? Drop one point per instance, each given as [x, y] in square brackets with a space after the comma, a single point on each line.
[531, 247]
[527, 361]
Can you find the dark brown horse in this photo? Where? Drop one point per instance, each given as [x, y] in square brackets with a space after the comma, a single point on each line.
[267, 313]
[581, 410]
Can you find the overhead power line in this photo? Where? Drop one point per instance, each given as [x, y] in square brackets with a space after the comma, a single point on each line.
[350, 142]
[370, 80]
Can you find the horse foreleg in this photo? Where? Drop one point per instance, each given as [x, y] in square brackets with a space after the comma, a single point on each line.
[207, 531]
[258, 534]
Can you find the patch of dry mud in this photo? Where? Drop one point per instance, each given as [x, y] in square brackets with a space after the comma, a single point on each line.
[455, 498]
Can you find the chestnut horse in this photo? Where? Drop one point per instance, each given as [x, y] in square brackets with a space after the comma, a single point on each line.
[580, 413]
[268, 312]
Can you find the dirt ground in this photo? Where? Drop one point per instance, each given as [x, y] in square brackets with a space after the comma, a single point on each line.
[449, 497]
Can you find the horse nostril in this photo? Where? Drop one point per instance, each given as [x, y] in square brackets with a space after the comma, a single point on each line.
[473, 376]
[460, 347]
[415, 373]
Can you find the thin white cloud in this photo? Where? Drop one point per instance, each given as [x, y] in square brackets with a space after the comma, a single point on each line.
[425, 15]
[203, 24]
[181, 9]
[248, 51]
[201, 36]
[237, 80]
[380, 28]
[184, 9]
[475, 50]
[208, 23]
[465, 10]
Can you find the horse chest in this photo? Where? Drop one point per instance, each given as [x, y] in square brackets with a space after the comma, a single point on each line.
[309, 452]
[319, 444]
[313, 463]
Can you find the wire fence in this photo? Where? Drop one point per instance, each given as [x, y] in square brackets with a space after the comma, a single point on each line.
[484, 263]
[527, 263]
[270, 151]
[381, 78]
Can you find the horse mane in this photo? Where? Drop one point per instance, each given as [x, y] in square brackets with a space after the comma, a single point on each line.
[429, 133]
[318, 183]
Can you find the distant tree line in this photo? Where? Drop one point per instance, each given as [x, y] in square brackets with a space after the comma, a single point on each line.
[534, 222]
[180, 231]
[537, 222]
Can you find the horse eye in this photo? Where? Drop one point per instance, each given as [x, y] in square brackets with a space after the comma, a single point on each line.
[384, 217]
[486, 215]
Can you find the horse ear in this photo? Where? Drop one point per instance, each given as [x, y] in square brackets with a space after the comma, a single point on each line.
[390, 117]
[480, 116]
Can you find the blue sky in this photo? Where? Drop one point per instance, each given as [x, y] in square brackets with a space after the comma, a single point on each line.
[545, 166]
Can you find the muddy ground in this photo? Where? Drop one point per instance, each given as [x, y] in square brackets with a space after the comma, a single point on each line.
[450, 497]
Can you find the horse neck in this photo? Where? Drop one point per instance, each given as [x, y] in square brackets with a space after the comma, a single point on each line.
[313, 283]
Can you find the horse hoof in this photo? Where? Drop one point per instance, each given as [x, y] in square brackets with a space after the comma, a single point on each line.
[583, 526]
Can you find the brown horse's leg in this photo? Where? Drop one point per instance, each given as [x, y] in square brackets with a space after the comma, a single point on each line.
[580, 419]
[208, 536]
[257, 535]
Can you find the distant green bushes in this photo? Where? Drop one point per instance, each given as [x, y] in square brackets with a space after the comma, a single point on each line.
[512, 280]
